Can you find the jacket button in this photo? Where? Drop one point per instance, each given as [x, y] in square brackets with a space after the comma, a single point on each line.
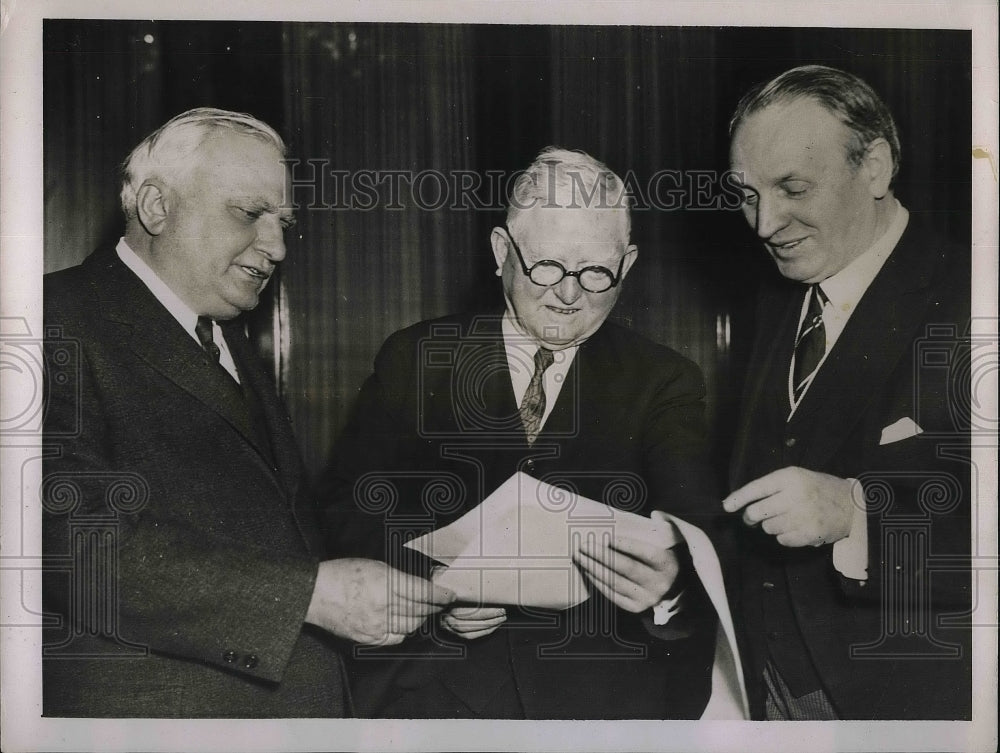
[229, 657]
[790, 442]
[530, 465]
[767, 585]
[250, 661]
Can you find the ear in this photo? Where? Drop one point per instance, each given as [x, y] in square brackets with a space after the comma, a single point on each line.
[631, 254]
[500, 243]
[878, 164]
[151, 207]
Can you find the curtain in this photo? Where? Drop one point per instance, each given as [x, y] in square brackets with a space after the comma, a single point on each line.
[389, 100]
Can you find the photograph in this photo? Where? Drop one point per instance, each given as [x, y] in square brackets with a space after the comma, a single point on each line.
[498, 376]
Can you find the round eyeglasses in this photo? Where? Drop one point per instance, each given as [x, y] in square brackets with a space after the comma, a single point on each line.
[547, 272]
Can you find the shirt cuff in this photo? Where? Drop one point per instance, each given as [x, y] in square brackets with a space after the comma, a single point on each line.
[666, 609]
[850, 555]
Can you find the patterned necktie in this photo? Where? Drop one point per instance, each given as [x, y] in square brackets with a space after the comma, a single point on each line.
[204, 331]
[533, 405]
[810, 345]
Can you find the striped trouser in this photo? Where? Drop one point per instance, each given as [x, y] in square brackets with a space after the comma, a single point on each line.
[781, 705]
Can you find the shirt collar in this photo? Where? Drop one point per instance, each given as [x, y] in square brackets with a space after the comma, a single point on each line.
[187, 318]
[845, 288]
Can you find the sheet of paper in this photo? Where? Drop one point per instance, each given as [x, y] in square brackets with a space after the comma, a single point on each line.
[516, 547]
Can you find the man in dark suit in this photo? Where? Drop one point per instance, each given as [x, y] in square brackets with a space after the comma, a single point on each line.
[457, 405]
[183, 561]
[851, 471]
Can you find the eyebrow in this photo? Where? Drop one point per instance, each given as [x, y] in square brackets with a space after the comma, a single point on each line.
[288, 219]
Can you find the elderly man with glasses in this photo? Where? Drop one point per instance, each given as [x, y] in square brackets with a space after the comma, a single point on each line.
[548, 387]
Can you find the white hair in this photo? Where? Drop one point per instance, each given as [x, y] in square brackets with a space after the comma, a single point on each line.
[568, 178]
[169, 150]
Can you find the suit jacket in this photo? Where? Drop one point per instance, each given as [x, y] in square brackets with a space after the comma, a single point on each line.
[180, 556]
[896, 646]
[436, 430]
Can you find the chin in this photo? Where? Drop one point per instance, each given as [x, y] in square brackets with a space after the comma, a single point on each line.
[795, 271]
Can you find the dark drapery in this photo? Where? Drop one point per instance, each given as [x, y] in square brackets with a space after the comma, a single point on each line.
[384, 99]
[421, 98]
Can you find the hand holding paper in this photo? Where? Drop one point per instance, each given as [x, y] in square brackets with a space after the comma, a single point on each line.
[370, 603]
[517, 547]
[634, 575]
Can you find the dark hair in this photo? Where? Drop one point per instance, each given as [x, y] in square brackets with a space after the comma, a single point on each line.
[843, 94]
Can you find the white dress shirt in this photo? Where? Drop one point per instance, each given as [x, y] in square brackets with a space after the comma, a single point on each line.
[521, 351]
[187, 318]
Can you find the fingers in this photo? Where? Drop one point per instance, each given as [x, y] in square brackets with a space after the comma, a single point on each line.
[417, 589]
[758, 489]
[651, 555]
[638, 561]
[477, 613]
[616, 597]
[387, 639]
[472, 635]
[613, 585]
[461, 625]
[474, 622]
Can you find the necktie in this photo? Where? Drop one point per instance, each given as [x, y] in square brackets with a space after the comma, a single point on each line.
[810, 345]
[533, 405]
[204, 331]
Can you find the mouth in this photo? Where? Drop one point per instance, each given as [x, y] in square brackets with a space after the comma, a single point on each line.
[561, 311]
[783, 249]
[256, 273]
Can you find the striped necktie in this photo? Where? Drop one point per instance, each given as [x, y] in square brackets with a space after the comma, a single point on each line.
[810, 345]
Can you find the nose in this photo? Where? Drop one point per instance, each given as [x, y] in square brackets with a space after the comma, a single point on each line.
[270, 238]
[770, 217]
[568, 289]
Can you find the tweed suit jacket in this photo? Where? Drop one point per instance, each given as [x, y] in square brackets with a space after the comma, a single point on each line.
[435, 430]
[896, 645]
[180, 551]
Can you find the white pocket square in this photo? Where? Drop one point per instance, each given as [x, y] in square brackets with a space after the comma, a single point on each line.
[904, 428]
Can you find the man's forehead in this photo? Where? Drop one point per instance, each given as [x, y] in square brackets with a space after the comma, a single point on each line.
[240, 161]
[560, 222]
[785, 136]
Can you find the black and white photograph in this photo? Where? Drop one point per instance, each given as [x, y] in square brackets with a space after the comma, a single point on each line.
[499, 376]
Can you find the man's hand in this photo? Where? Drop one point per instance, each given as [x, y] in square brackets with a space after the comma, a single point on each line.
[473, 622]
[796, 506]
[632, 574]
[371, 603]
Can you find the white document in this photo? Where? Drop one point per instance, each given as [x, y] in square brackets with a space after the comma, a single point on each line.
[516, 547]
[729, 696]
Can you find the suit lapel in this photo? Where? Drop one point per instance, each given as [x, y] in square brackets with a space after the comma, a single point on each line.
[879, 333]
[282, 442]
[157, 338]
[486, 354]
[777, 324]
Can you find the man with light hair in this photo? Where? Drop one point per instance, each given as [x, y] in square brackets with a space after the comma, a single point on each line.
[549, 387]
[183, 561]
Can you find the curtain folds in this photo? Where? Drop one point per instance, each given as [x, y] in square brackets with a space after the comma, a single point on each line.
[388, 108]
